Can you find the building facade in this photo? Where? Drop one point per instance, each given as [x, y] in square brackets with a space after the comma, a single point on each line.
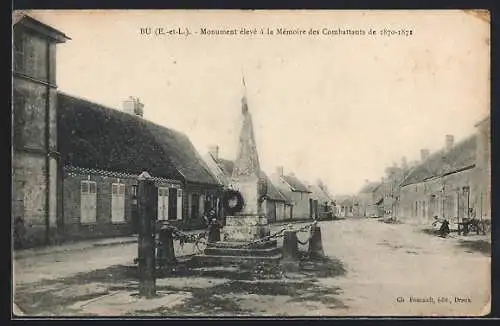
[104, 150]
[442, 185]
[297, 193]
[368, 200]
[35, 157]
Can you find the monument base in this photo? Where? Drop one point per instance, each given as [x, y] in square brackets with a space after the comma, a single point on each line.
[238, 244]
[245, 228]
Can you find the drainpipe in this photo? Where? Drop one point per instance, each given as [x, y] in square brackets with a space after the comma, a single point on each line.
[47, 145]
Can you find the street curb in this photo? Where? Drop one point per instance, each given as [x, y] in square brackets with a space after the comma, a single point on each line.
[114, 243]
[21, 255]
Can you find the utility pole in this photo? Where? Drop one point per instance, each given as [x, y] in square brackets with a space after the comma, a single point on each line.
[148, 195]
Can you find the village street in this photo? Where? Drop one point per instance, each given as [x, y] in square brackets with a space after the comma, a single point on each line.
[370, 267]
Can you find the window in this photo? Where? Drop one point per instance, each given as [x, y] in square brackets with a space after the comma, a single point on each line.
[88, 202]
[163, 204]
[30, 54]
[133, 190]
[19, 50]
[117, 202]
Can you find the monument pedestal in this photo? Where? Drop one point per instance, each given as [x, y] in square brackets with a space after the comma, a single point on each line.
[237, 245]
[245, 228]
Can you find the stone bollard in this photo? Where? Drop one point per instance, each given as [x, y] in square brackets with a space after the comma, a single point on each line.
[290, 252]
[166, 253]
[315, 249]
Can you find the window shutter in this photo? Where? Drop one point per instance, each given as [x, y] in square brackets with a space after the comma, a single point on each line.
[179, 204]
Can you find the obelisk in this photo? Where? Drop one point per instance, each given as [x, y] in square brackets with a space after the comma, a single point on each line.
[250, 223]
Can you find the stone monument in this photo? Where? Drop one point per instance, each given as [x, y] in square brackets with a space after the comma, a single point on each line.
[243, 228]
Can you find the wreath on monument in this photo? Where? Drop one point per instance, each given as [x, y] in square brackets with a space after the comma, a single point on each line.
[233, 201]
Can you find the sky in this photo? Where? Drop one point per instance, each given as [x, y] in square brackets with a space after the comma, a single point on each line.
[340, 108]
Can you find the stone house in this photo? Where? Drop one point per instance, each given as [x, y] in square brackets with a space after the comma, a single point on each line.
[275, 203]
[35, 157]
[368, 199]
[320, 202]
[347, 206]
[442, 184]
[104, 150]
[482, 186]
[297, 193]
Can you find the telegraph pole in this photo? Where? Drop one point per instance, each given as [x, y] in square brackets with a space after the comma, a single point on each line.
[148, 195]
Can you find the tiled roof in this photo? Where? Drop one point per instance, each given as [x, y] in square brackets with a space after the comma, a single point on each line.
[93, 136]
[78, 170]
[462, 156]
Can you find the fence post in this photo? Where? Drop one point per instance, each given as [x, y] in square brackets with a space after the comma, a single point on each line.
[147, 207]
[315, 249]
[290, 252]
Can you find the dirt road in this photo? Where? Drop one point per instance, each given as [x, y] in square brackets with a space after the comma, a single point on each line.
[372, 268]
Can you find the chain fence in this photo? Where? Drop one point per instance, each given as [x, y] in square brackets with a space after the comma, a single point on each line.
[201, 237]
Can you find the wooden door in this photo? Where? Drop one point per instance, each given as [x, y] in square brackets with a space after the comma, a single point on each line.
[88, 202]
[117, 203]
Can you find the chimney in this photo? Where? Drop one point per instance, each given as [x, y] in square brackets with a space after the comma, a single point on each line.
[133, 106]
[279, 171]
[214, 151]
[449, 140]
[424, 154]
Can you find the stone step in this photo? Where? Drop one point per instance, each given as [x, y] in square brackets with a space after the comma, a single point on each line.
[236, 244]
[223, 259]
[266, 252]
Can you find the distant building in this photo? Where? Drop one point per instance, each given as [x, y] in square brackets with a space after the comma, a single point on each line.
[296, 191]
[368, 199]
[275, 203]
[443, 185]
[36, 172]
[320, 203]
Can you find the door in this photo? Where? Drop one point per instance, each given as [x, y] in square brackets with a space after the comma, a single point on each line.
[88, 202]
[195, 205]
[162, 203]
[117, 203]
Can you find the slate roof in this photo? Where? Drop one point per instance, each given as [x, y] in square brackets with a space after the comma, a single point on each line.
[294, 183]
[461, 157]
[94, 136]
[20, 18]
